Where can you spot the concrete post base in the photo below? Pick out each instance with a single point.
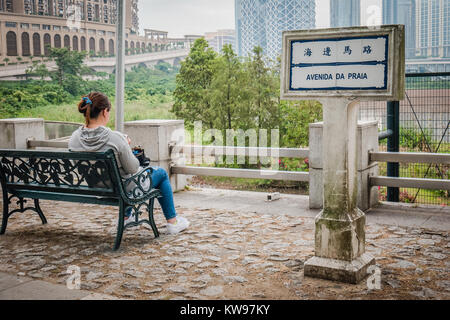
(339, 270)
(340, 237)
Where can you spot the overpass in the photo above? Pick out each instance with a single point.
(173, 57)
(108, 64)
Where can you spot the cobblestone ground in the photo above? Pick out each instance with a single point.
(223, 255)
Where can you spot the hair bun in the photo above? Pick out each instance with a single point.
(83, 105)
(90, 109)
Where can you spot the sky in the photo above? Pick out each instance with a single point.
(181, 17)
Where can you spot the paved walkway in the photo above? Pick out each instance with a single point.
(239, 246)
(14, 287)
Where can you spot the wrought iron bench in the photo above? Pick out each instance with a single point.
(83, 177)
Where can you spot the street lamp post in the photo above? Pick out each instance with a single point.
(120, 65)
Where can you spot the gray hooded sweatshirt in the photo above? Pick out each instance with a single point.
(101, 139)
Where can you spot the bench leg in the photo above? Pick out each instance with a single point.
(151, 218)
(39, 211)
(120, 226)
(5, 212)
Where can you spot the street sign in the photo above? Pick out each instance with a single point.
(362, 62)
(339, 67)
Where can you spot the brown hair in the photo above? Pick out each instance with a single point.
(91, 109)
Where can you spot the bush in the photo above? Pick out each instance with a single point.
(295, 120)
(414, 139)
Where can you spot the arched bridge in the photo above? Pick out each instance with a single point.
(173, 57)
(108, 64)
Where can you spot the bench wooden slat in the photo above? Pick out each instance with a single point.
(81, 190)
(107, 201)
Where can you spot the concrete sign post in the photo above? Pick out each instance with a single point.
(340, 67)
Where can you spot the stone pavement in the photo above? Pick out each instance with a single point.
(14, 287)
(238, 247)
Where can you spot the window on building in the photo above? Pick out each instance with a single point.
(47, 44)
(11, 44)
(36, 44)
(26, 44)
(75, 43)
(92, 45)
(57, 40)
(67, 42)
(111, 47)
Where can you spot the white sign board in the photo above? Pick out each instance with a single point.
(345, 62)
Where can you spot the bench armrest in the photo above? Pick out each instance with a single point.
(138, 187)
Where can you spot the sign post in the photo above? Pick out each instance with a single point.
(339, 67)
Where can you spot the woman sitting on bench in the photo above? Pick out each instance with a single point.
(95, 136)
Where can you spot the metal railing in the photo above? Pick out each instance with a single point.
(419, 123)
(240, 151)
(410, 157)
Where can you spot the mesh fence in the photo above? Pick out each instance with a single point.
(424, 127)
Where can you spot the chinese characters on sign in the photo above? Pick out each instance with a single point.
(339, 64)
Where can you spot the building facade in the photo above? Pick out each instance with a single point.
(403, 12)
(433, 28)
(29, 27)
(217, 40)
(261, 23)
(345, 13)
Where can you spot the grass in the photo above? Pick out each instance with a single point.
(261, 185)
(415, 170)
(157, 108)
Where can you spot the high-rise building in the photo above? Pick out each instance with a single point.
(217, 40)
(261, 22)
(345, 13)
(104, 11)
(30, 27)
(433, 28)
(402, 12)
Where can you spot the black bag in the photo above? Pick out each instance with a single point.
(140, 155)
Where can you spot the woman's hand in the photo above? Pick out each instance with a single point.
(128, 139)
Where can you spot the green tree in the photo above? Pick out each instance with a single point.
(226, 89)
(295, 118)
(70, 68)
(263, 87)
(193, 84)
(163, 66)
(38, 69)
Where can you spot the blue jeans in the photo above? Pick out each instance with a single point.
(160, 180)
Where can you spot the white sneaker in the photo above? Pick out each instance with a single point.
(131, 218)
(178, 226)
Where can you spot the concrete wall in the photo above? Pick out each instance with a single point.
(366, 140)
(15, 132)
(154, 136)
